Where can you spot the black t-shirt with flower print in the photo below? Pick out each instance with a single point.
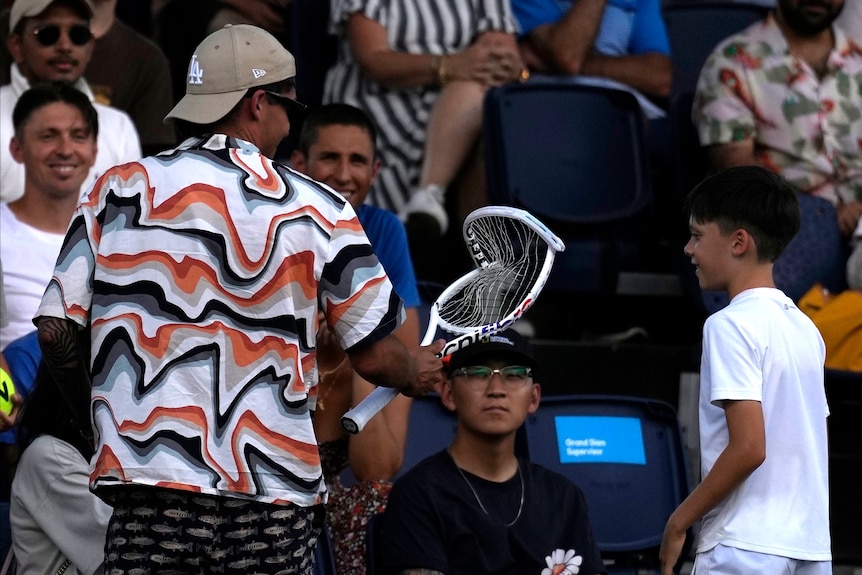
(434, 521)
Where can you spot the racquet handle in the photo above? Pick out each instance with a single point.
(357, 418)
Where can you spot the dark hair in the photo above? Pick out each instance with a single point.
(59, 410)
(334, 114)
(42, 94)
(751, 198)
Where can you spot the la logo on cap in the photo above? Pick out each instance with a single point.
(196, 74)
(257, 72)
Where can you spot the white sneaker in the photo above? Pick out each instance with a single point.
(424, 216)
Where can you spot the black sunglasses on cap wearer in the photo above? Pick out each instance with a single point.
(289, 104)
(49, 34)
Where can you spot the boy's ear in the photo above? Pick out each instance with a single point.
(742, 242)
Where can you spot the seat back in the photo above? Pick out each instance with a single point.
(324, 559)
(431, 428)
(844, 394)
(694, 29)
(625, 453)
(815, 255)
(373, 558)
(575, 157)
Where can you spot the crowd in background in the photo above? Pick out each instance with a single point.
(397, 132)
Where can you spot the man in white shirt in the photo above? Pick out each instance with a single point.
(55, 142)
(55, 128)
(50, 40)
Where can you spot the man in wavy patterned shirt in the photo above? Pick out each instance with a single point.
(198, 275)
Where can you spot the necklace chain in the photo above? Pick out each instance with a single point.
(479, 501)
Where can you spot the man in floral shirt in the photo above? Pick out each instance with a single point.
(785, 93)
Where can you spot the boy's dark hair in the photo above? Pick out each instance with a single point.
(751, 198)
(334, 114)
(42, 94)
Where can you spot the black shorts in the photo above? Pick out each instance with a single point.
(156, 530)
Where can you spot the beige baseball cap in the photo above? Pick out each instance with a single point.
(225, 65)
(30, 8)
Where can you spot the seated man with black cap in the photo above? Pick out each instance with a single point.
(476, 507)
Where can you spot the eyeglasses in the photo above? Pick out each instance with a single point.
(290, 105)
(513, 376)
(49, 35)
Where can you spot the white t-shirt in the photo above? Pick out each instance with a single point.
(28, 256)
(761, 347)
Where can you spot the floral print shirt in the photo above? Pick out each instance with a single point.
(805, 127)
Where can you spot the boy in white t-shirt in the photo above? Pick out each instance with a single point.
(763, 501)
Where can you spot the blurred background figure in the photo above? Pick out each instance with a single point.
(56, 128)
(337, 147)
(784, 94)
(395, 60)
(52, 41)
(623, 42)
(57, 523)
(129, 71)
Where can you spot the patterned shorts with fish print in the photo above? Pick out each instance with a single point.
(155, 530)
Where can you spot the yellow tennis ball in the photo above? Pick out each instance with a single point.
(7, 390)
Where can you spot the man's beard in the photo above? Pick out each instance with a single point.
(807, 23)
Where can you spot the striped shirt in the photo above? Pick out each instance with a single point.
(401, 115)
(201, 271)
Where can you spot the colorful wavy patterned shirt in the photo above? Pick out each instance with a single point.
(806, 128)
(200, 272)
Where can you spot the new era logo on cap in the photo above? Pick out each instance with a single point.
(257, 72)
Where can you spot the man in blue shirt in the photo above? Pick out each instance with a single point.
(337, 147)
(620, 40)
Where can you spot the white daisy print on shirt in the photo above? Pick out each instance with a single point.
(562, 563)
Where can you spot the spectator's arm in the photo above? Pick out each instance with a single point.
(650, 73)
(370, 47)
(489, 61)
(849, 214)
(377, 452)
(564, 45)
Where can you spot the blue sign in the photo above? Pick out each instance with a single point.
(600, 439)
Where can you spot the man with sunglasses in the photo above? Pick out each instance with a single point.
(50, 40)
(198, 275)
(477, 507)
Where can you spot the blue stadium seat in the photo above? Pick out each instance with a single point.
(627, 455)
(694, 29)
(431, 428)
(324, 560)
(574, 156)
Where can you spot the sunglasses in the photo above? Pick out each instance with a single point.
(49, 35)
(290, 105)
